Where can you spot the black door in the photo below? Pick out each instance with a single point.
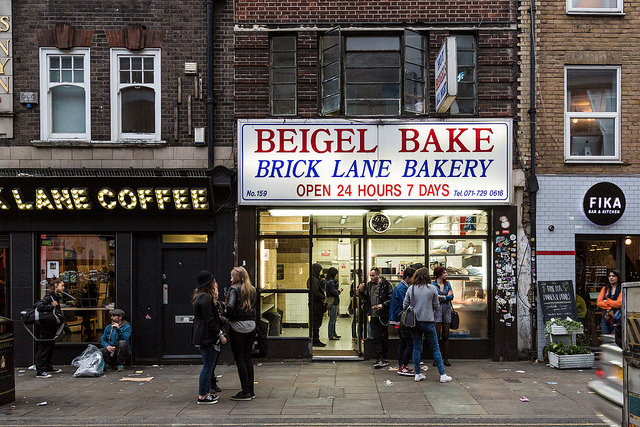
(179, 270)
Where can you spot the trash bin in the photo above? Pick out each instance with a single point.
(275, 323)
(7, 374)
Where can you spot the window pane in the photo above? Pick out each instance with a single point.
(284, 107)
(414, 40)
(67, 76)
(284, 91)
(403, 223)
(66, 62)
(86, 263)
(136, 77)
(284, 221)
(283, 58)
(330, 71)
(284, 263)
(465, 261)
(466, 59)
(379, 108)
(125, 64)
(348, 223)
(78, 76)
(283, 75)
(461, 223)
(594, 4)
(414, 104)
(54, 76)
(331, 55)
(124, 77)
(413, 55)
(466, 75)
(148, 77)
(354, 91)
(331, 103)
(372, 59)
(68, 109)
(465, 42)
(78, 62)
(414, 72)
(364, 75)
(592, 90)
(592, 137)
(466, 91)
(283, 43)
(392, 256)
(373, 43)
(138, 110)
(54, 61)
(136, 63)
(412, 87)
(148, 63)
(461, 106)
(332, 86)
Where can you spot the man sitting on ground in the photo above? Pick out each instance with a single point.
(115, 341)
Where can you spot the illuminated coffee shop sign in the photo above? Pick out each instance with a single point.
(50, 196)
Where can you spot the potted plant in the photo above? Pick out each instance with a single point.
(563, 356)
(562, 327)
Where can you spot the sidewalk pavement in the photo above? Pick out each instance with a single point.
(295, 389)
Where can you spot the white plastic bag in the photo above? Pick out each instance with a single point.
(90, 363)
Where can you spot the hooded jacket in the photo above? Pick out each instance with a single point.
(112, 335)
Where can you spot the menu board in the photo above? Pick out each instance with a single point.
(557, 300)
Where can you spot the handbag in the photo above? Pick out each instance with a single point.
(34, 315)
(455, 318)
(408, 317)
(259, 347)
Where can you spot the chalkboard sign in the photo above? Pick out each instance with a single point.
(557, 300)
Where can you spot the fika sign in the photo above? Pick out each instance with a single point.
(604, 203)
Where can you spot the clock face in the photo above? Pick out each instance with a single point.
(379, 223)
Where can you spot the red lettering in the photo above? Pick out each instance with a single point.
(362, 141)
(479, 140)
(262, 139)
(304, 133)
(432, 139)
(445, 190)
(456, 140)
(284, 139)
(314, 141)
(340, 139)
(406, 138)
(316, 190)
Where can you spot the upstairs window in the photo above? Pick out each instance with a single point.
(373, 75)
(64, 83)
(466, 99)
(594, 6)
(592, 114)
(282, 75)
(135, 94)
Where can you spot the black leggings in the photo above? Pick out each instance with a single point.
(241, 347)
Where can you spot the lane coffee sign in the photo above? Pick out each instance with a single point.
(298, 162)
(604, 203)
(90, 195)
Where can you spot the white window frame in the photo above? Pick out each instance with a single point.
(116, 123)
(618, 10)
(46, 123)
(568, 116)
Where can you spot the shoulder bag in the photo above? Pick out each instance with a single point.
(408, 316)
(259, 347)
(455, 318)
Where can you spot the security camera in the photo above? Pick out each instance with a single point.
(551, 228)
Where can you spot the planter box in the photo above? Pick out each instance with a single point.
(561, 330)
(571, 361)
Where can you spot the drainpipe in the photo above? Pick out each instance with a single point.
(210, 98)
(532, 182)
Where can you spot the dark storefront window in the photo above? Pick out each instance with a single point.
(4, 287)
(86, 263)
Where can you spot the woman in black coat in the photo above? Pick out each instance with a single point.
(207, 333)
(47, 331)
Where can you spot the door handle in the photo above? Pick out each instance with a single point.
(165, 290)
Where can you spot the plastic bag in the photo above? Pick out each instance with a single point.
(90, 363)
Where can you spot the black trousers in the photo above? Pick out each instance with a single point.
(316, 321)
(380, 337)
(405, 345)
(44, 349)
(120, 356)
(241, 347)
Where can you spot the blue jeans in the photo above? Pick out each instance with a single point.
(333, 315)
(209, 357)
(429, 331)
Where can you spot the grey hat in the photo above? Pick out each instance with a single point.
(204, 278)
(117, 312)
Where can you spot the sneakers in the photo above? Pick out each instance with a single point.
(214, 387)
(403, 370)
(43, 375)
(446, 363)
(419, 377)
(319, 344)
(120, 368)
(445, 378)
(253, 395)
(241, 396)
(208, 400)
(55, 371)
(380, 364)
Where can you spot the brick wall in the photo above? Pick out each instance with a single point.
(184, 26)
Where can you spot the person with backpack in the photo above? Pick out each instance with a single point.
(45, 344)
(241, 312)
(207, 333)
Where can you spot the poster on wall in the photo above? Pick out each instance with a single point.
(298, 162)
(53, 269)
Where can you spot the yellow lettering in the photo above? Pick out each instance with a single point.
(4, 20)
(162, 197)
(127, 193)
(179, 198)
(103, 202)
(62, 198)
(5, 85)
(42, 200)
(2, 64)
(144, 197)
(4, 48)
(81, 198)
(17, 196)
(199, 198)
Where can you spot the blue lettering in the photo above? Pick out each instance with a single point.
(263, 166)
(484, 168)
(409, 165)
(470, 169)
(438, 169)
(455, 167)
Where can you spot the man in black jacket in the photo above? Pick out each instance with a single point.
(377, 294)
(317, 303)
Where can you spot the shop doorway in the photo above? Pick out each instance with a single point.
(180, 267)
(345, 254)
(4, 288)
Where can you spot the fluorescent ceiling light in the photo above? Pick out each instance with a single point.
(432, 212)
(317, 212)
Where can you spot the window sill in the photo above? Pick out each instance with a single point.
(595, 12)
(594, 160)
(99, 144)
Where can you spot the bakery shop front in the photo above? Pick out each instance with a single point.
(131, 239)
(387, 195)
